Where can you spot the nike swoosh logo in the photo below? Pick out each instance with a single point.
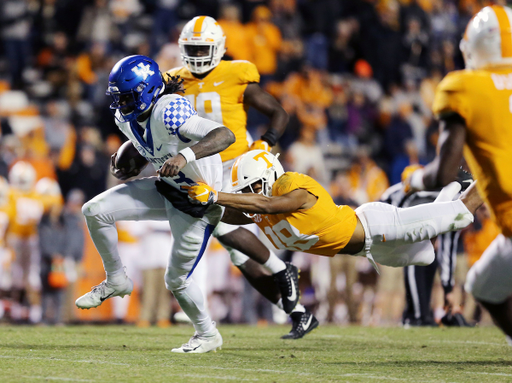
(108, 296)
(160, 147)
(199, 195)
(294, 293)
(192, 349)
(306, 326)
(217, 83)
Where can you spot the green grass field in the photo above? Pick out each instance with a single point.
(329, 354)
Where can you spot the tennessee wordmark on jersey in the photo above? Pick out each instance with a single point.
(219, 97)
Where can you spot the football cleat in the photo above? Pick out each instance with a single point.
(302, 324)
(455, 320)
(199, 344)
(102, 292)
(464, 178)
(288, 282)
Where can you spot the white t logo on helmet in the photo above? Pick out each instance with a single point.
(143, 70)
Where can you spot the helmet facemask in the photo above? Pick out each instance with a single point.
(200, 59)
(130, 104)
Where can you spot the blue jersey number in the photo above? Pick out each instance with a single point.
(182, 179)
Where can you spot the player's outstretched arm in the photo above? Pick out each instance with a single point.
(443, 169)
(259, 204)
(235, 217)
(263, 102)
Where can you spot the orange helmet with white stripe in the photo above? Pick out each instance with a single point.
(488, 38)
(253, 166)
(202, 44)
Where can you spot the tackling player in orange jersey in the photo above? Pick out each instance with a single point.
(474, 107)
(223, 91)
(295, 212)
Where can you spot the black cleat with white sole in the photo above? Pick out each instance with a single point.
(288, 283)
(302, 324)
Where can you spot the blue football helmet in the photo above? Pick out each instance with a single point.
(134, 84)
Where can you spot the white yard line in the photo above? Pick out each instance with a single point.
(56, 378)
(488, 373)
(63, 360)
(362, 337)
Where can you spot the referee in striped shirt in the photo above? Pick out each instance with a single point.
(419, 280)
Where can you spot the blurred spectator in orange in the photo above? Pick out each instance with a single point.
(368, 182)
(264, 41)
(308, 85)
(23, 239)
(237, 37)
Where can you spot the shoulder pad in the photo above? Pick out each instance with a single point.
(176, 111)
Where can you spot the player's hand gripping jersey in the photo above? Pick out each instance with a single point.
(484, 99)
(173, 126)
(324, 229)
(219, 97)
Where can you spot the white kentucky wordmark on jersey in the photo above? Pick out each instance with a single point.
(143, 70)
(176, 113)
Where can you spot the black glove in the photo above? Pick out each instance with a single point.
(180, 200)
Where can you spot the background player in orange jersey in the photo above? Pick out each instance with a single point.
(296, 213)
(223, 91)
(474, 107)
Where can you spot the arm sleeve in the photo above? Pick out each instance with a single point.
(196, 128)
(284, 184)
(250, 74)
(451, 97)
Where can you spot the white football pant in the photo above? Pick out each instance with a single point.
(237, 258)
(401, 237)
(139, 200)
(490, 278)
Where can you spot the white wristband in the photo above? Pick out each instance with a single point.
(417, 180)
(188, 154)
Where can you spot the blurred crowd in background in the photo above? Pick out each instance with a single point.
(357, 78)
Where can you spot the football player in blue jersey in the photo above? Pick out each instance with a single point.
(183, 148)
